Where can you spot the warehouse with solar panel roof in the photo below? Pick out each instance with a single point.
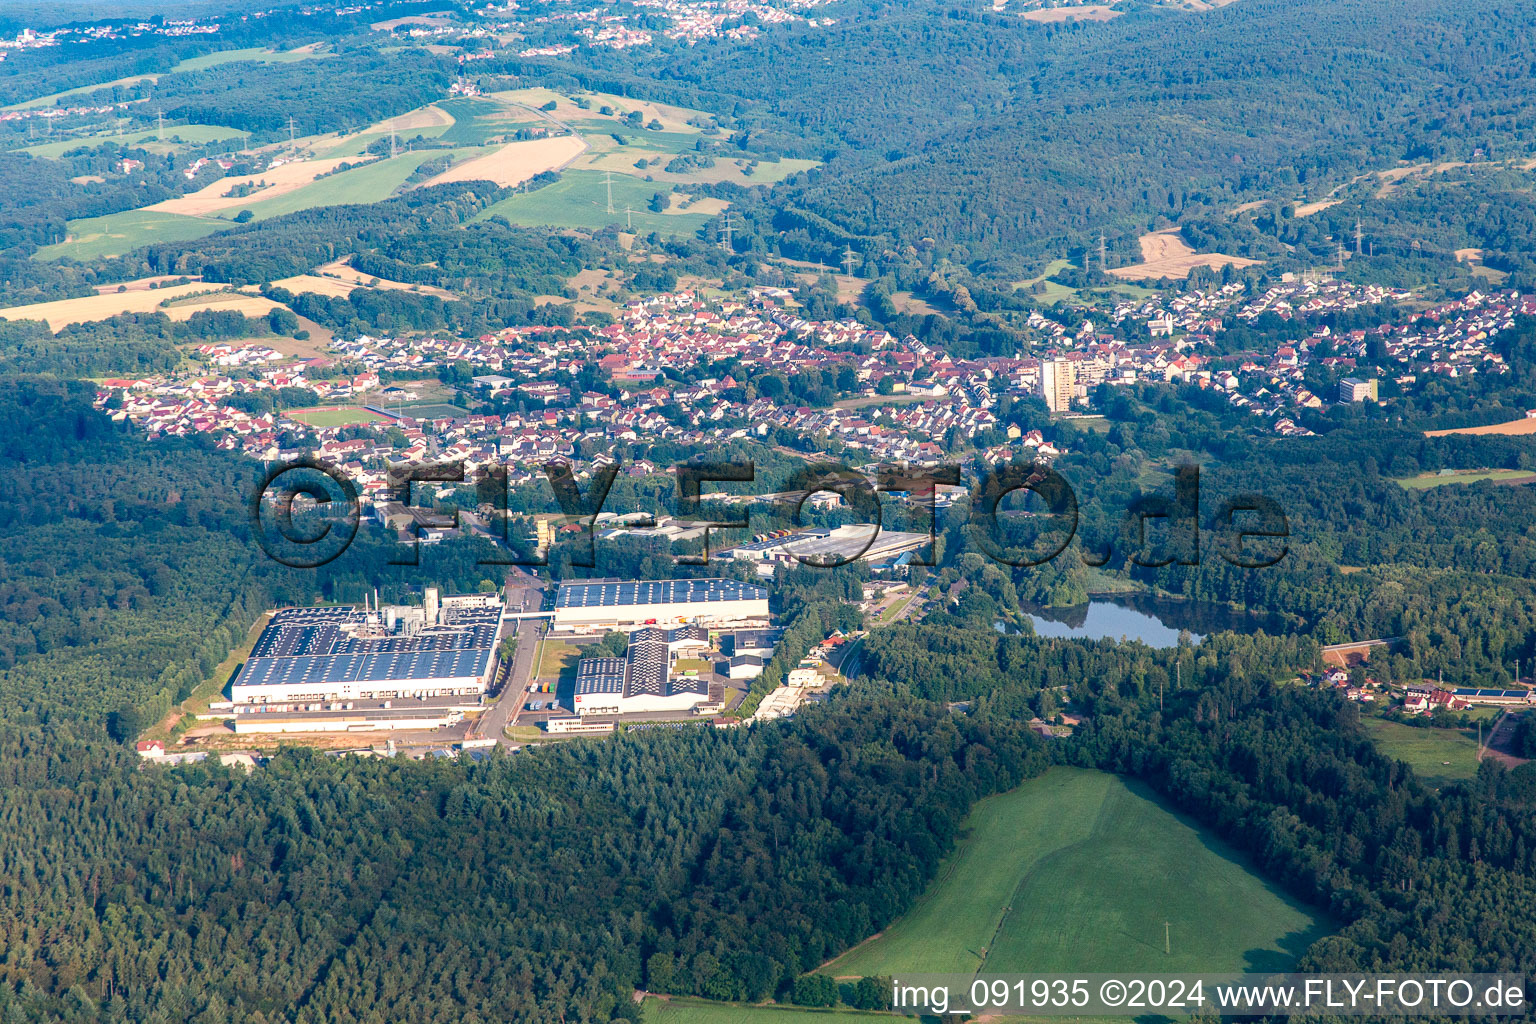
(627, 605)
(353, 667)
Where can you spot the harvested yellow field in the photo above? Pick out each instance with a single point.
(1308, 209)
(62, 312)
(318, 285)
(680, 202)
(340, 279)
(1085, 12)
(142, 284)
(516, 162)
(1165, 254)
(275, 181)
(1163, 245)
(1524, 425)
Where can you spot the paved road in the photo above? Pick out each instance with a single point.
(494, 722)
(523, 592)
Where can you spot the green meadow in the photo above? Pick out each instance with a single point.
(1081, 871)
(117, 233)
(580, 200)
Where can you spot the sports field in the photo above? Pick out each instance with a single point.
(1079, 871)
(1437, 756)
(334, 416)
(428, 410)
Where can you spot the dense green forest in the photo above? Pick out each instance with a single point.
(549, 885)
(1006, 142)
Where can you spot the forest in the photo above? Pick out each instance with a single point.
(547, 886)
(1017, 151)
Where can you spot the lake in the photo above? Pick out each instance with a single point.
(1156, 622)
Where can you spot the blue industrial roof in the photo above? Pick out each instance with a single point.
(617, 593)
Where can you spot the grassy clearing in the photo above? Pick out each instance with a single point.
(255, 54)
(342, 417)
(557, 660)
(1078, 871)
(580, 198)
(1437, 756)
(118, 233)
(150, 138)
(1466, 476)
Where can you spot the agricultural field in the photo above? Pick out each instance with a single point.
(213, 199)
(1512, 428)
(1052, 292)
(1079, 870)
(698, 1011)
(1083, 12)
(117, 233)
(184, 301)
(370, 183)
(343, 272)
(253, 54)
(515, 162)
(1165, 254)
(1437, 756)
(150, 139)
(334, 416)
(1467, 476)
(290, 188)
(257, 54)
(477, 120)
(580, 199)
(430, 121)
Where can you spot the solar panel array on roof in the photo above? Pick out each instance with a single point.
(647, 663)
(310, 646)
(617, 594)
(360, 668)
(599, 675)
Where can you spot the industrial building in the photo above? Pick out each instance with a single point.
(644, 680)
(596, 605)
(824, 546)
(350, 667)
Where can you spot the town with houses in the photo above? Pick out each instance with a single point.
(910, 403)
